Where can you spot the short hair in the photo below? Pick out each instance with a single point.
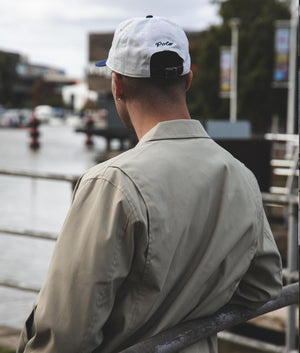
(166, 68)
(145, 87)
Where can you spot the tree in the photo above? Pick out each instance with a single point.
(8, 77)
(257, 100)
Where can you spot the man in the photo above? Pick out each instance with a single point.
(168, 231)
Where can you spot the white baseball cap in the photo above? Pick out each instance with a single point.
(137, 42)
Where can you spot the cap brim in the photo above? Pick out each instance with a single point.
(101, 63)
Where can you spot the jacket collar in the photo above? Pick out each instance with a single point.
(175, 129)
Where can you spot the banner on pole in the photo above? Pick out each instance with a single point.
(225, 72)
(282, 49)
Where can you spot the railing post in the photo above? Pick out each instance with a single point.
(290, 333)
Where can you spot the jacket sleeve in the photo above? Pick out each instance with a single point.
(92, 257)
(263, 280)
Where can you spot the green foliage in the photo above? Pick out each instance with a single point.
(8, 77)
(92, 105)
(17, 92)
(257, 100)
(44, 93)
(203, 99)
(6, 350)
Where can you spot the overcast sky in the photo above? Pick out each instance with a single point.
(55, 32)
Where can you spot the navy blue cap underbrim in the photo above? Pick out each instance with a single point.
(101, 63)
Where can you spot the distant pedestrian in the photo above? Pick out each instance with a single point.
(166, 232)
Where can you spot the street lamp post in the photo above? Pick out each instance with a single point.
(292, 69)
(234, 24)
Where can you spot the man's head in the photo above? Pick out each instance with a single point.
(150, 61)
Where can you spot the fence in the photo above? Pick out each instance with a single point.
(287, 196)
(50, 176)
(188, 333)
(72, 179)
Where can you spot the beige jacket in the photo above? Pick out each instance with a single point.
(170, 230)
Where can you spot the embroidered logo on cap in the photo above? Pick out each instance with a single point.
(163, 44)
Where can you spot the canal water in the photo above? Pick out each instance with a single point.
(34, 204)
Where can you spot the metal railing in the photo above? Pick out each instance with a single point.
(188, 333)
(287, 196)
(36, 175)
(31, 233)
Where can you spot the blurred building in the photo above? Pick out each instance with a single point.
(26, 84)
(77, 96)
(42, 84)
(27, 69)
(98, 78)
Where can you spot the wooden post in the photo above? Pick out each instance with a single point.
(89, 124)
(34, 133)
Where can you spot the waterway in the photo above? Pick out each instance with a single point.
(33, 204)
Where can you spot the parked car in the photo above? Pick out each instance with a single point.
(44, 113)
(10, 118)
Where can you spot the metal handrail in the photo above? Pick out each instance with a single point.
(11, 285)
(188, 333)
(40, 175)
(29, 233)
(37, 175)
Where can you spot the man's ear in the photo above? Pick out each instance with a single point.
(189, 80)
(117, 85)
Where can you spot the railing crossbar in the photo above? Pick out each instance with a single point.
(188, 333)
(248, 342)
(40, 175)
(29, 233)
(11, 285)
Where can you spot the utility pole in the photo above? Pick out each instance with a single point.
(234, 24)
(292, 68)
(292, 209)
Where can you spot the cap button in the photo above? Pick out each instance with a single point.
(149, 16)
